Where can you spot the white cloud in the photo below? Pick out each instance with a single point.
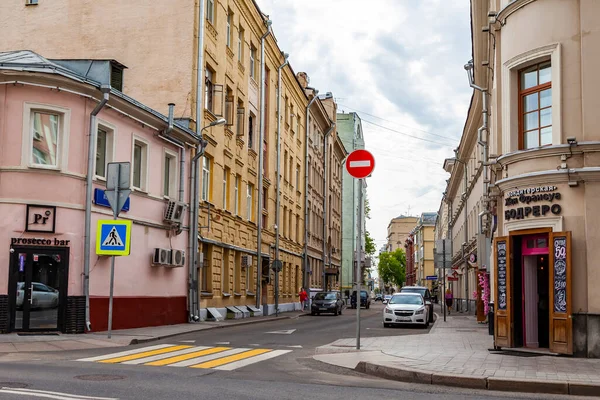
(401, 61)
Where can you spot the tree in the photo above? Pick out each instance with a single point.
(392, 267)
(367, 208)
(369, 244)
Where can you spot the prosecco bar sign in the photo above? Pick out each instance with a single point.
(533, 202)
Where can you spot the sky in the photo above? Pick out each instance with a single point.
(399, 65)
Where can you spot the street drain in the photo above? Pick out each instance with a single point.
(100, 377)
(14, 385)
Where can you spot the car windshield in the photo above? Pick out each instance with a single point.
(325, 296)
(399, 299)
(415, 290)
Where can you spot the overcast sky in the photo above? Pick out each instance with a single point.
(399, 64)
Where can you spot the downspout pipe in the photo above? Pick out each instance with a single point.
(325, 197)
(193, 298)
(105, 89)
(261, 163)
(306, 210)
(181, 153)
(278, 177)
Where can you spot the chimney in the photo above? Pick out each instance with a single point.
(303, 79)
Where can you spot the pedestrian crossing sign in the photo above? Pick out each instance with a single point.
(113, 238)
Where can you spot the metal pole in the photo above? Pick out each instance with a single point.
(112, 262)
(444, 306)
(358, 259)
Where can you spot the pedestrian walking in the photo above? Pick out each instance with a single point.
(449, 298)
(303, 298)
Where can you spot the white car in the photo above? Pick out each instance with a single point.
(406, 308)
(43, 296)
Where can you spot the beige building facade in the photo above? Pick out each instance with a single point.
(533, 120)
(156, 46)
(424, 242)
(398, 231)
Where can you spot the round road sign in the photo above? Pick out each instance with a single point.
(360, 164)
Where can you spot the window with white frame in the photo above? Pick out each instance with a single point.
(229, 21)
(140, 164)
(226, 173)
(240, 43)
(104, 150)
(249, 201)
(45, 133)
(205, 178)
(169, 174)
(252, 62)
(236, 189)
(208, 89)
(210, 11)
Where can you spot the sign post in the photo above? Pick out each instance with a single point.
(443, 256)
(359, 164)
(117, 192)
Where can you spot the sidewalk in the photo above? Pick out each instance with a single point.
(457, 353)
(13, 343)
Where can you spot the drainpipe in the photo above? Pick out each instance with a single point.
(193, 298)
(306, 211)
(466, 234)
(325, 196)
(181, 152)
(88, 202)
(278, 177)
(261, 162)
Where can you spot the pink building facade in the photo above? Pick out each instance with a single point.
(45, 112)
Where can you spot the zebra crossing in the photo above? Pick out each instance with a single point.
(205, 357)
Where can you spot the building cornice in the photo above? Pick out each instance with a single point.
(549, 151)
(587, 174)
(511, 8)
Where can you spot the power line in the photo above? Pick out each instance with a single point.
(398, 123)
(406, 134)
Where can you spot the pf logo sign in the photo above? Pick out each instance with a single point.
(40, 219)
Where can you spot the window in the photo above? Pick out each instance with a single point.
(292, 117)
(249, 202)
(226, 173)
(290, 224)
(45, 136)
(298, 228)
(240, 44)
(239, 131)
(206, 266)
(252, 62)
(237, 273)
(251, 120)
(535, 102)
(170, 175)
(210, 11)
(285, 165)
(205, 178)
(287, 110)
(236, 193)
(298, 177)
(225, 273)
(208, 90)
(290, 166)
(284, 222)
(265, 156)
(140, 164)
(104, 150)
(249, 277)
(229, 19)
(116, 77)
(298, 124)
(229, 101)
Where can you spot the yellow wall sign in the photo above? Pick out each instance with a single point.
(113, 238)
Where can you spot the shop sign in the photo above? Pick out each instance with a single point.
(40, 219)
(528, 196)
(39, 242)
(560, 274)
(501, 263)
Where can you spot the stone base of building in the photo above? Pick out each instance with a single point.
(586, 335)
(138, 312)
(267, 309)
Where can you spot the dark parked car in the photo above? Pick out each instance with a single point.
(327, 302)
(423, 291)
(365, 300)
(378, 297)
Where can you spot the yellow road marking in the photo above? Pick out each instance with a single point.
(183, 357)
(232, 358)
(144, 354)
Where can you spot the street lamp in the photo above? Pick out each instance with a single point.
(194, 211)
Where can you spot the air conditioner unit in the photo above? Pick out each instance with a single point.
(177, 258)
(246, 260)
(161, 256)
(174, 212)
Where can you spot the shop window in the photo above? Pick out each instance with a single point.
(535, 102)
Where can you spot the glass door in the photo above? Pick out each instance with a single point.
(38, 277)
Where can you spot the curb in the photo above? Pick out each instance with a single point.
(476, 382)
(258, 321)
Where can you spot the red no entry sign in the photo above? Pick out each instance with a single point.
(360, 164)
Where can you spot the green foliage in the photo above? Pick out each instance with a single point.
(392, 267)
(367, 208)
(369, 244)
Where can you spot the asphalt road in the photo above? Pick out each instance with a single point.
(292, 375)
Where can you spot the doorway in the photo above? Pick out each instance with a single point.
(531, 292)
(38, 279)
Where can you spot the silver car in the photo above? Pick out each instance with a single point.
(406, 308)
